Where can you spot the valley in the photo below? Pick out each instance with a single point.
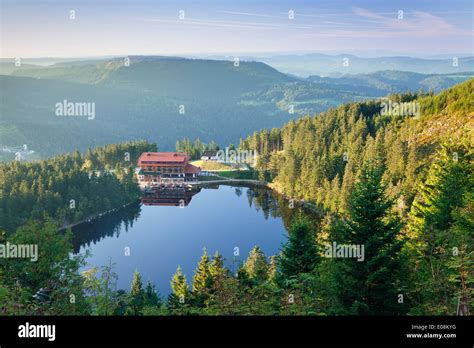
(162, 99)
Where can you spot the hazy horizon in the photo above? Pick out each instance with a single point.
(48, 29)
(212, 55)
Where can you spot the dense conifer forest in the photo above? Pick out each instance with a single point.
(400, 185)
(71, 187)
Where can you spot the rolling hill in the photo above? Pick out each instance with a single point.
(220, 101)
(323, 64)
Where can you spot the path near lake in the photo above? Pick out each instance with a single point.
(231, 181)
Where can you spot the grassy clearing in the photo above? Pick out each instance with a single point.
(240, 174)
(211, 165)
(208, 178)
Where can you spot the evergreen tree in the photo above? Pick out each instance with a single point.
(178, 300)
(179, 284)
(151, 297)
(202, 280)
(201, 274)
(461, 265)
(272, 268)
(216, 266)
(256, 266)
(136, 301)
(373, 285)
(300, 253)
(432, 240)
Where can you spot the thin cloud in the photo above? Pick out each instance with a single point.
(414, 23)
(251, 14)
(213, 23)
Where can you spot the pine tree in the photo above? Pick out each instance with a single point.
(461, 265)
(272, 268)
(371, 286)
(201, 274)
(151, 297)
(256, 266)
(216, 266)
(136, 295)
(178, 300)
(346, 187)
(202, 280)
(431, 221)
(179, 284)
(300, 253)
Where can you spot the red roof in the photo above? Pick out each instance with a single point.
(179, 157)
(190, 169)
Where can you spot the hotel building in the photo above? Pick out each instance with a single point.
(165, 168)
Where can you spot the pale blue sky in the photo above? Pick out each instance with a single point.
(42, 28)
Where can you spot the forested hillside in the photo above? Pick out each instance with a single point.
(162, 99)
(399, 185)
(71, 187)
(323, 64)
(317, 158)
(425, 163)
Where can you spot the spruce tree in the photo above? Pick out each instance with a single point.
(272, 268)
(256, 266)
(179, 284)
(202, 280)
(374, 285)
(461, 265)
(136, 296)
(201, 274)
(178, 300)
(433, 228)
(300, 253)
(216, 266)
(151, 297)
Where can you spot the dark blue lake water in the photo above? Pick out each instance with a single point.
(161, 237)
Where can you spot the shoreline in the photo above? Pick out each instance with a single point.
(90, 218)
(305, 204)
(227, 181)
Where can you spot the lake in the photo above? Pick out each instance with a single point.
(168, 229)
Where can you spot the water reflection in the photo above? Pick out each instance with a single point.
(179, 196)
(112, 224)
(109, 225)
(161, 235)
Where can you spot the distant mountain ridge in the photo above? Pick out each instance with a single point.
(391, 81)
(334, 65)
(163, 99)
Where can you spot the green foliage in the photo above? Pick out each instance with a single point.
(318, 159)
(202, 280)
(54, 274)
(438, 223)
(178, 300)
(300, 254)
(69, 188)
(101, 290)
(196, 149)
(461, 265)
(216, 267)
(371, 285)
(137, 295)
(152, 299)
(256, 266)
(352, 162)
